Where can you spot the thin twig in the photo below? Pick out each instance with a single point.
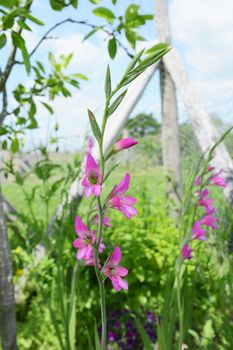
(82, 22)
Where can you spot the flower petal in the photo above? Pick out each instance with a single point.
(115, 258)
(80, 228)
(121, 271)
(122, 187)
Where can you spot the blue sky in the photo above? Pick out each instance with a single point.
(201, 32)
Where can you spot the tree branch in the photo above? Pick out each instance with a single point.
(85, 23)
(4, 112)
(11, 59)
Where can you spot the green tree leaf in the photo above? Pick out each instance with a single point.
(48, 107)
(14, 145)
(104, 12)
(2, 40)
(35, 20)
(112, 47)
(23, 25)
(20, 43)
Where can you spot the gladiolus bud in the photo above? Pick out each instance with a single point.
(124, 143)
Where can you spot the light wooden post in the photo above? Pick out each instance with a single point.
(170, 127)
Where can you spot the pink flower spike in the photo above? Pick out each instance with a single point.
(209, 220)
(125, 143)
(115, 272)
(198, 232)
(187, 252)
(216, 180)
(106, 222)
(205, 201)
(92, 180)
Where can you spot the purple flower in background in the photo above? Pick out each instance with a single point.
(106, 222)
(217, 180)
(187, 252)
(209, 220)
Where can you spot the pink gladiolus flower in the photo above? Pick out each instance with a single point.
(187, 252)
(205, 201)
(85, 241)
(106, 222)
(216, 180)
(92, 180)
(125, 143)
(209, 220)
(120, 202)
(198, 232)
(114, 272)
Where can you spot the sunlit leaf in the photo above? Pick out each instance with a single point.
(104, 12)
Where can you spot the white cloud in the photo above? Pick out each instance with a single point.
(202, 32)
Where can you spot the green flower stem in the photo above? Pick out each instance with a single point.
(99, 235)
(179, 304)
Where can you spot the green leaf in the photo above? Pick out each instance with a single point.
(3, 131)
(48, 107)
(95, 2)
(130, 36)
(75, 4)
(108, 88)
(8, 21)
(4, 145)
(68, 59)
(90, 345)
(156, 48)
(91, 33)
(72, 313)
(104, 13)
(35, 20)
(131, 12)
(97, 340)
(7, 3)
(144, 336)
(23, 25)
(94, 125)
(116, 103)
(57, 6)
(20, 43)
(2, 40)
(112, 47)
(79, 76)
(40, 65)
(134, 61)
(14, 145)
